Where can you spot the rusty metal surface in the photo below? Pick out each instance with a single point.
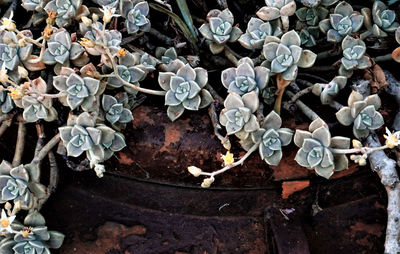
(190, 220)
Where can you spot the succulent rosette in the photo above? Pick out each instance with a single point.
(278, 9)
(11, 54)
(284, 55)
(61, 49)
(327, 92)
(33, 237)
(309, 36)
(66, 10)
(135, 14)
(271, 138)
(83, 135)
(317, 149)
(220, 29)
(168, 55)
(342, 22)
(115, 110)
(238, 117)
(362, 113)
(256, 32)
(383, 19)
(353, 56)
(14, 185)
(185, 88)
(77, 91)
(245, 77)
(37, 107)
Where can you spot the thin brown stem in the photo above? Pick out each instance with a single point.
(19, 148)
(46, 149)
(281, 86)
(214, 120)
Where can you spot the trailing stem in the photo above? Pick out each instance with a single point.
(46, 149)
(232, 165)
(20, 145)
(386, 170)
(304, 108)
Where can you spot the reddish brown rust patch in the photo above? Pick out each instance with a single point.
(288, 167)
(352, 168)
(109, 237)
(290, 187)
(124, 159)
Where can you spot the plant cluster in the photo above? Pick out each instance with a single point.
(97, 75)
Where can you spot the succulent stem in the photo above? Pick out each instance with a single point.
(19, 147)
(230, 55)
(281, 85)
(237, 163)
(304, 108)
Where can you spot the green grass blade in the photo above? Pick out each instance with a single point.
(185, 30)
(187, 17)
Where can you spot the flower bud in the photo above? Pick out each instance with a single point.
(195, 171)
(207, 182)
(22, 72)
(362, 162)
(356, 143)
(86, 21)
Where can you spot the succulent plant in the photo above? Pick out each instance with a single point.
(14, 185)
(11, 54)
(383, 19)
(268, 95)
(309, 36)
(98, 141)
(61, 49)
(168, 55)
(328, 92)
(33, 5)
(278, 9)
(37, 107)
(77, 91)
(353, 56)
(311, 16)
(285, 55)
(66, 10)
(135, 13)
(113, 38)
(363, 113)
(6, 103)
(245, 77)
(185, 88)
(110, 142)
(220, 29)
(317, 149)
(342, 22)
(271, 138)
(315, 3)
(34, 238)
(132, 74)
(256, 32)
(115, 111)
(238, 117)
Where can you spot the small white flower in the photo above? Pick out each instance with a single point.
(392, 139)
(108, 13)
(3, 73)
(5, 222)
(8, 23)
